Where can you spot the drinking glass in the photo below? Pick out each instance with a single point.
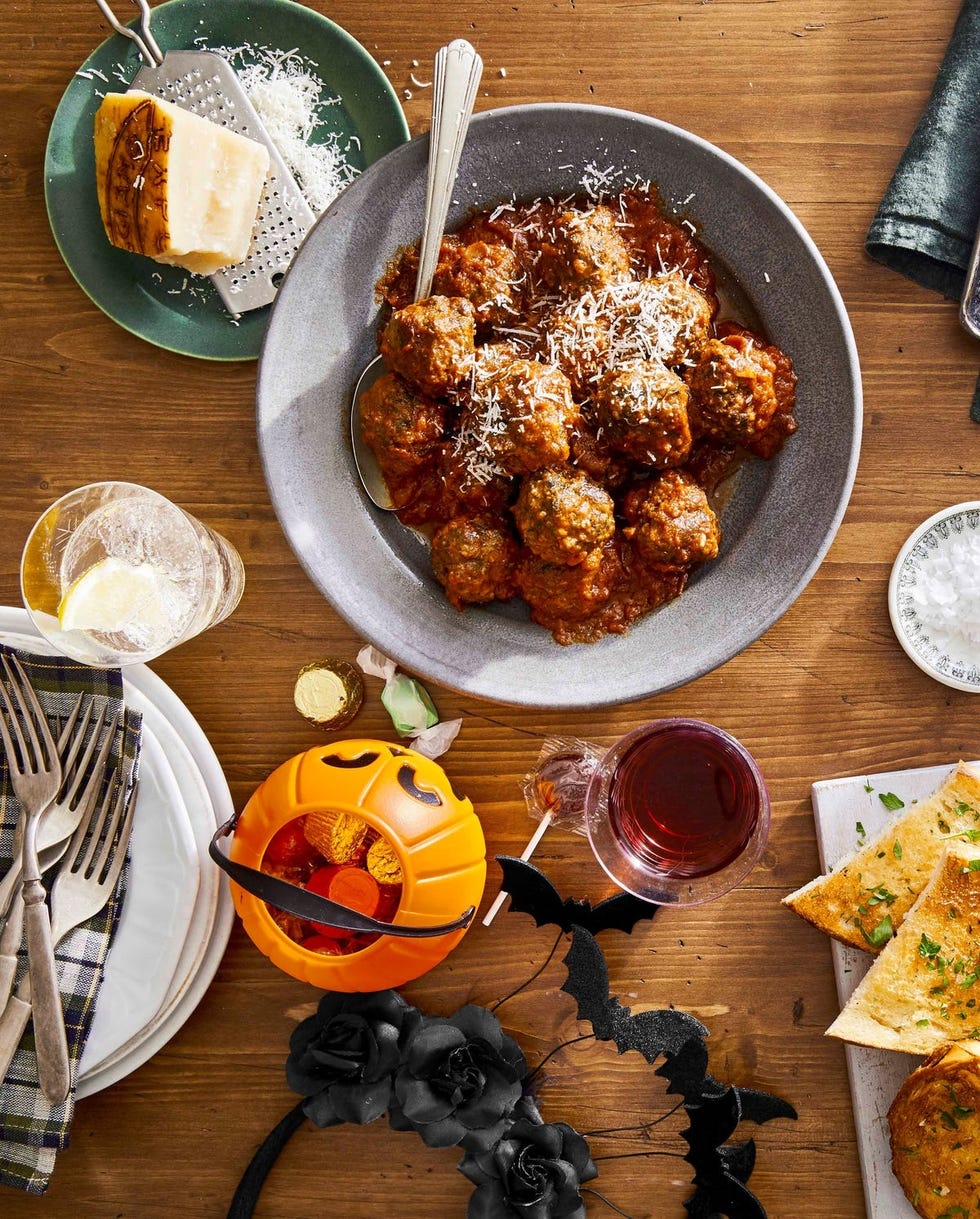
(115, 574)
(677, 812)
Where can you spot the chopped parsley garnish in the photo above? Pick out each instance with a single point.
(868, 787)
(891, 801)
(861, 831)
(882, 894)
(881, 934)
(928, 948)
(897, 849)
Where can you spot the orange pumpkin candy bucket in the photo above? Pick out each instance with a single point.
(402, 865)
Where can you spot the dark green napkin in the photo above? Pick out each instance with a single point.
(927, 221)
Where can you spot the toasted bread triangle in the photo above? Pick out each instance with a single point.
(886, 875)
(924, 987)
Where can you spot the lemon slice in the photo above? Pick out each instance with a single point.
(111, 596)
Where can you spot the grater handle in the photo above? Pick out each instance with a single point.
(457, 78)
(146, 44)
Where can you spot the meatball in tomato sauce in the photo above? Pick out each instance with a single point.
(486, 274)
(642, 408)
(563, 516)
(671, 521)
(474, 560)
(583, 251)
(431, 343)
(733, 394)
(519, 414)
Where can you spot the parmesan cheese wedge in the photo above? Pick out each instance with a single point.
(175, 187)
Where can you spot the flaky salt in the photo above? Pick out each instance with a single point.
(947, 590)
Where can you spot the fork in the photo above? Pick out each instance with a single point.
(35, 775)
(59, 822)
(88, 876)
(82, 786)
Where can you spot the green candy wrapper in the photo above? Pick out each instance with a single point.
(409, 705)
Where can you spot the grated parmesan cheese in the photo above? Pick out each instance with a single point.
(290, 99)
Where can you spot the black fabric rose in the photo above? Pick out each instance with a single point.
(344, 1058)
(534, 1172)
(459, 1081)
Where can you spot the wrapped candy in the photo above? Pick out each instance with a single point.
(554, 792)
(407, 701)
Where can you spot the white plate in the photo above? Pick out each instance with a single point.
(193, 780)
(946, 657)
(165, 875)
(198, 943)
(875, 1075)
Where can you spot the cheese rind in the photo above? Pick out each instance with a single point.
(173, 186)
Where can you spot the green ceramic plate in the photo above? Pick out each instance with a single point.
(163, 304)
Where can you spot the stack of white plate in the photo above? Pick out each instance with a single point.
(178, 913)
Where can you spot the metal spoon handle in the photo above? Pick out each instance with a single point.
(457, 77)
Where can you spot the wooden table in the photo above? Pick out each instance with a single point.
(819, 100)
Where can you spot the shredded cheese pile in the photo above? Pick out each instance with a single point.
(290, 99)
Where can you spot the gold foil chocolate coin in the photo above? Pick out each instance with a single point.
(328, 693)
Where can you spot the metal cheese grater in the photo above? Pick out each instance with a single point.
(206, 85)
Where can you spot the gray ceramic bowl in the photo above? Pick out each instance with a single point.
(376, 573)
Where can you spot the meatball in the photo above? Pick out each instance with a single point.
(733, 396)
(430, 343)
(474, 560)
(673, 318)
(583, 250)
(518, 416)
(400, 425)
(576, 338)
(487, 275)
(642, 407)
(671, 522)
(557, 593)
(592, 454)
(562, 515)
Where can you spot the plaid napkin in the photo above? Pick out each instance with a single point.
(31, 1130)
(927, 221)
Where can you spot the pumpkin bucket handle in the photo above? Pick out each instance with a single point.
(312, 906)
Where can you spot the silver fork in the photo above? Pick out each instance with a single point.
(88, 876)
(79, 736)
(35, 775)
(83, 784)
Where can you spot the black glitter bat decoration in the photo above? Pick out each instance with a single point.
(531, 892)
(721, 1172)
(714, 1109)
(653, 1033)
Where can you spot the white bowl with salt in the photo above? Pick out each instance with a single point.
(934, 596)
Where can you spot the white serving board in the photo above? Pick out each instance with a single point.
(875, 1075)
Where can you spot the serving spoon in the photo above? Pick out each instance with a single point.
(458, 69)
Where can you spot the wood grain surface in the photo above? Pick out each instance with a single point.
(818, 98)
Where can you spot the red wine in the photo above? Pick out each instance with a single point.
(684, 800)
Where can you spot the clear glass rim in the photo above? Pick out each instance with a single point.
(662, 888)
(38, 616)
